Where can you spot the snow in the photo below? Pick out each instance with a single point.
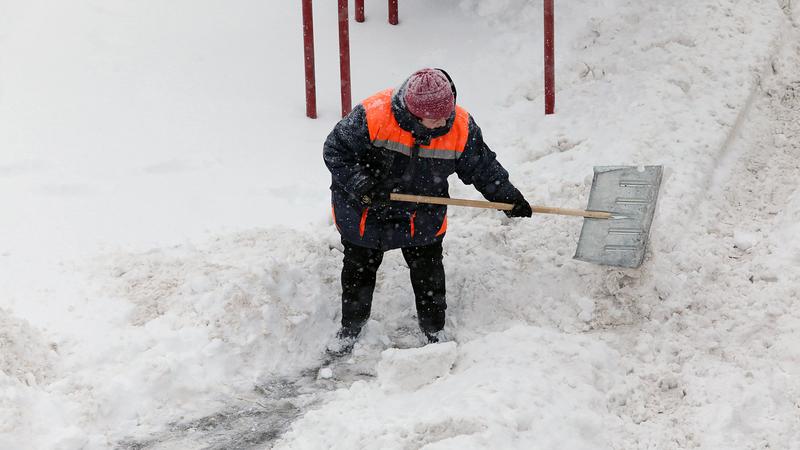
(509, 397)
(410, 369)
(169, 259)
(326, 373)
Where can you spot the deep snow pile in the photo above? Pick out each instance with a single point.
(26, 358)
(26, 364)
(697, 348)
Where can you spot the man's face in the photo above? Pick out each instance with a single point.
(433, 123)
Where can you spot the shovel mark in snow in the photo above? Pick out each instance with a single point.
(683, 41)
(565, 144)
(791, 96)
(260, 420)
(245, 426)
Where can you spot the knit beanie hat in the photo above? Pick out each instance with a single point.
(428, 95)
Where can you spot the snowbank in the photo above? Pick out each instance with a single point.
(204, 325)
(27, 367)
(24, 353)
(209, 323)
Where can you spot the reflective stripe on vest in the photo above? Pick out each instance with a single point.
(443, 228)
(333, 213)
(385, 132)
(362, 226)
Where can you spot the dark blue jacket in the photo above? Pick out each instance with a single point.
(357, 165)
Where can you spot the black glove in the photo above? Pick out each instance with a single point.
(521, 208)
(375, 197)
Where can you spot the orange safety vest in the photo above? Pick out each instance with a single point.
(385, 132)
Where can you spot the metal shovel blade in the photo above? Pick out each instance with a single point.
(630, 193)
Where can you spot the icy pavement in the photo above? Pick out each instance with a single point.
(245, 424)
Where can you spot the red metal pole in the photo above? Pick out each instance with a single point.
(549, 59)
(359, 10)
(308, 53)
(393, 18)
(344, 56)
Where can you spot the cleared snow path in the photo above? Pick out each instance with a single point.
(257, 419)
(253, 422)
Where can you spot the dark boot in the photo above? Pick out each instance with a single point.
(344, 343)
(433, 338)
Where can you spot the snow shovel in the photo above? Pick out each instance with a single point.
(622, 202)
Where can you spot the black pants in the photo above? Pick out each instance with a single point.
(427, 278)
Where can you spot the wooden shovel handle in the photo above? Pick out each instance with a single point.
(496, 205)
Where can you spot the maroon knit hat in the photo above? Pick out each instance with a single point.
(428, 95)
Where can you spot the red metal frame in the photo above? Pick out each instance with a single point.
(344, 51)
(393, 16)
(360, 11)
(308, 54)
(344, 56)
(549, 58)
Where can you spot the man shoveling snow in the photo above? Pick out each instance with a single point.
(405, 140)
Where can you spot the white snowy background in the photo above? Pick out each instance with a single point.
(169, 270)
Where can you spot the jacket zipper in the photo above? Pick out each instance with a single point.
(411, 169)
